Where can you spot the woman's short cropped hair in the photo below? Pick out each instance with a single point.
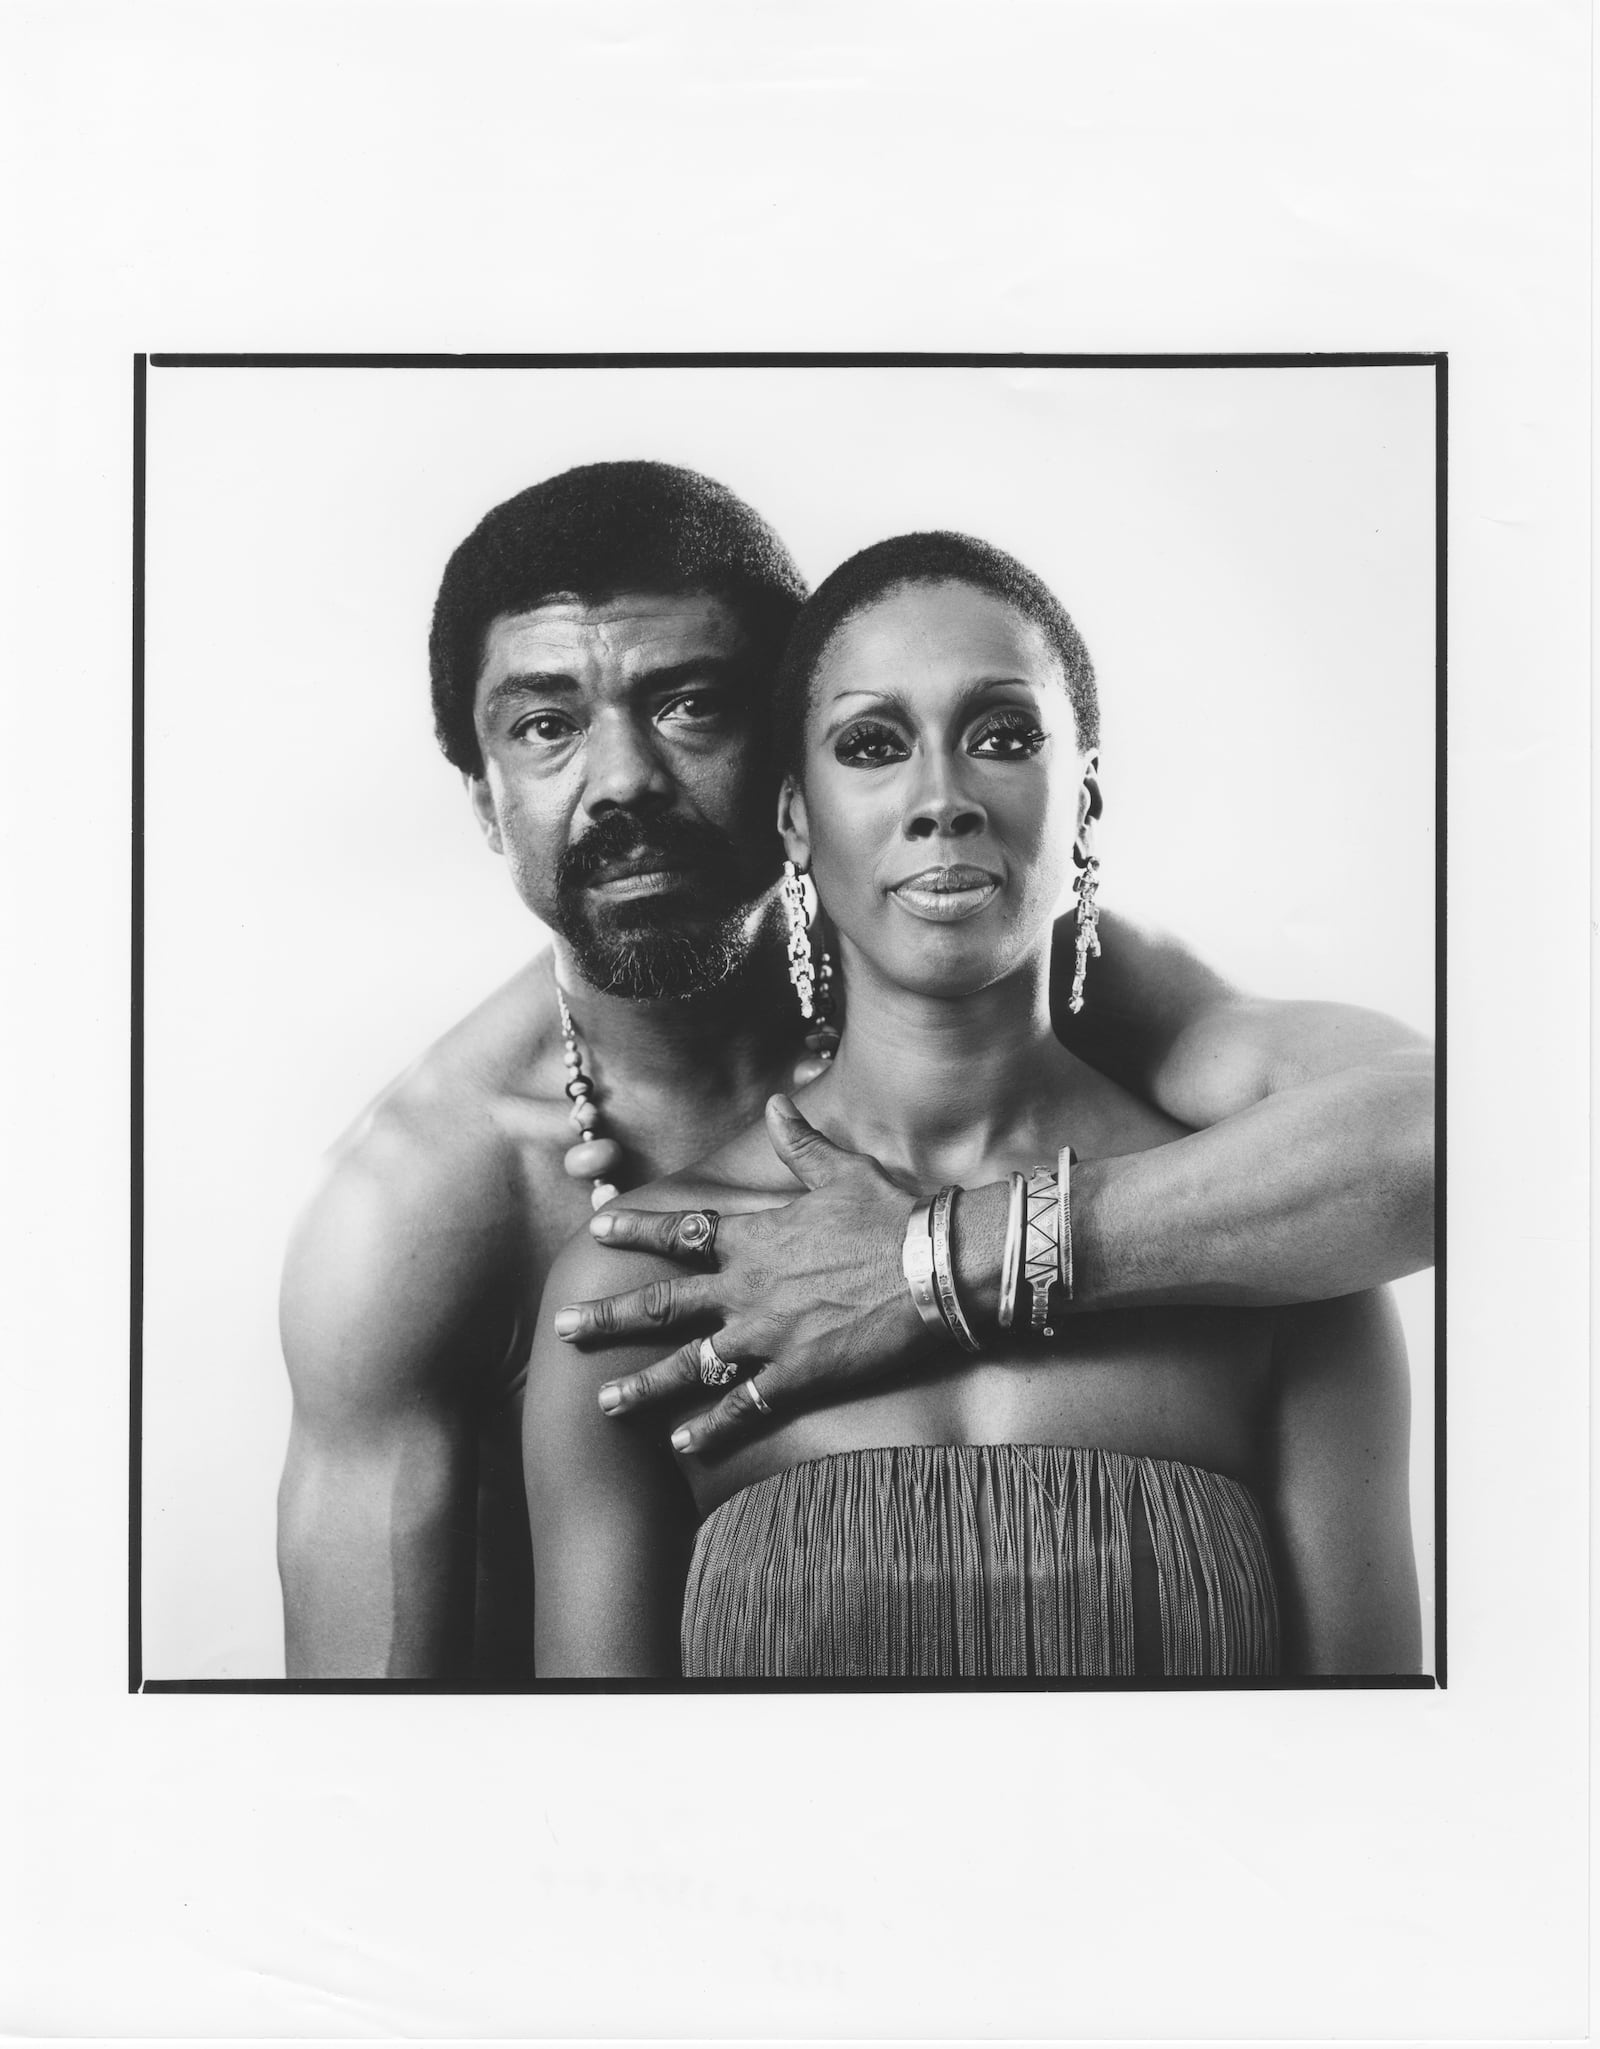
(593, 534)
(912, 559)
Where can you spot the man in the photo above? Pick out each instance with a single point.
(599, 657)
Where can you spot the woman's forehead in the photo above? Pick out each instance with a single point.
(934, 632)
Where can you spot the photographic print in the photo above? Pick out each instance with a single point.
(1025, 772)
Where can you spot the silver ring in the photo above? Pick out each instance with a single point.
(697, 1232)
(758, 1397)
(715, 1371)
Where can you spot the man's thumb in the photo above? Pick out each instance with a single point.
(801, 1147)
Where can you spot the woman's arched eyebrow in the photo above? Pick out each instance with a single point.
(850, 704)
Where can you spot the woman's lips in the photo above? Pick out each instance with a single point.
(944, 895)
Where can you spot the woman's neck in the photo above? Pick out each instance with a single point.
(940, 1087)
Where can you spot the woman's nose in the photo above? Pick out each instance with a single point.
(940, 808)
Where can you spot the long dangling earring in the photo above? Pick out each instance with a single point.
(794, 910)
(1086, 887)
(811, 973)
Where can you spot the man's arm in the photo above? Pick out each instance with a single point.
(385, 1337)
(1338, 1490)
(613, 1522)
(1310, 1173)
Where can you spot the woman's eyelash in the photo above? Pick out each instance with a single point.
(1014, 726)
(867, 739)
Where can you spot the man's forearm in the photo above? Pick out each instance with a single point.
(1318, 1191)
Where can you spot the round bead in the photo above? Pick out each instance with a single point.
(572, 1058)
(808, 1069)
(603, 1193)
(591, 1157)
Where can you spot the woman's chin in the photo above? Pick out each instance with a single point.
(949, 963)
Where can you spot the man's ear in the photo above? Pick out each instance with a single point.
(1090, 804)
(792, 826)
(482, 799)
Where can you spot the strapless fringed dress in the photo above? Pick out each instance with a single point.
(982, 1561)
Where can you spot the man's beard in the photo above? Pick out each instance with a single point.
(676, 945)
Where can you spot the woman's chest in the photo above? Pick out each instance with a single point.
(1187, 1385)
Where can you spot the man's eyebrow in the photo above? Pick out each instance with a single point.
(530, 683)
(706, 668)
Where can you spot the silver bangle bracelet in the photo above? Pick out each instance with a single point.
(1064, 1165)
(944, 1277)
(916, 1263)
(1011, 1258)
(1041, 1246)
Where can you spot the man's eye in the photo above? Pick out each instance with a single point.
(1015, 737)
(549, 727)
(867, 745)
(694, 707)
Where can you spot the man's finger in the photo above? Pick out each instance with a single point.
(800, 1146)
(668, 1376)
(651, 1230)
(733, 1418)
(658, 1305)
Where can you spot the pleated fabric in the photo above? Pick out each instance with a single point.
(983, 1561)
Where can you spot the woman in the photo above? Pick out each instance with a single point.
(1168, 1491)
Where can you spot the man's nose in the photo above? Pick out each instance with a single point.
(622, 769)
(939, 806)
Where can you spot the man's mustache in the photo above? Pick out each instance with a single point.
(675, 842)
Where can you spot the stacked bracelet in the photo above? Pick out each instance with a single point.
(1041, 1245)
(916, 1263)
(944, 1278)
(930, 1275)
(1011, 1258)
(1064, 1165)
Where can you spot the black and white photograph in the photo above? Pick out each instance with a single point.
(798, 889)
(870, 932)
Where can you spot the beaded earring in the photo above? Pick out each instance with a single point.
(811, 972)
(1085, 888)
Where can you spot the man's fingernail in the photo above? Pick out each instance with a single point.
(600, 1226)
(610, 1397)
(680, 1439)
(567, 1321)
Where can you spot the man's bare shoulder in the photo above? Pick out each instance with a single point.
(421, 1207)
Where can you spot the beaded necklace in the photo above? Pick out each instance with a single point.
(595, 1156)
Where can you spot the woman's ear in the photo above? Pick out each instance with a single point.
(482, 800)
(792, 826)
(1090, 805)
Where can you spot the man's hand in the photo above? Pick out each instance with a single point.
(810, 1292)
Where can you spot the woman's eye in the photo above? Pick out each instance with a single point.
(1013, 738)
(869, 746)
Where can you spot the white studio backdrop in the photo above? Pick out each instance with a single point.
(1250, 556)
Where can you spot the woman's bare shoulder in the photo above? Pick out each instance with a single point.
(743, 1174)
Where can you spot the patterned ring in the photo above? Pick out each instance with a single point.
(697, 1232)
(715, 1371)
(758, 1397)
